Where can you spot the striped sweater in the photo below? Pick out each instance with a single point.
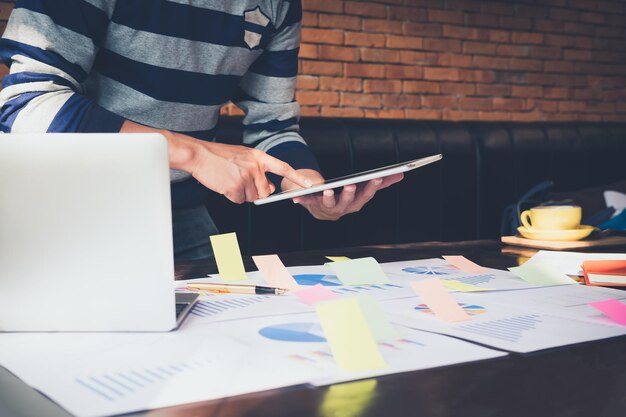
(86, 65)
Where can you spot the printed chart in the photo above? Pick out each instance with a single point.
(500, 325)
(299, 339)
(471, 309)
(571, 301)
(139, 371)
(442, 269)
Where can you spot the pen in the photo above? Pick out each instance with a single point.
(235, 288)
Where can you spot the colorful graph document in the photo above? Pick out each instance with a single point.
(507, 326)
(300, 339)
(324, 275)
(93, 375)
(234, 344)
(492, 279)
(571, 301)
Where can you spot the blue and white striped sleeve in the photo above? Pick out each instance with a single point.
(267, 95)
(50, 47)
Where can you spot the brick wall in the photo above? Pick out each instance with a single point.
(5, 10)
(520, 60)
(464, 59)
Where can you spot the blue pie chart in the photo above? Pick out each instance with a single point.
(314, 279)
(292, 332)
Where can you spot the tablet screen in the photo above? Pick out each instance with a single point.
(351, 179)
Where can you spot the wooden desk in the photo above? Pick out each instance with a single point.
(587, 379)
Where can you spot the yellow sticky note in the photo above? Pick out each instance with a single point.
(434, 295)
(350, 399)
(338, 258)
(349, 336)
(274, 272)
(454, 285)
(228, 257)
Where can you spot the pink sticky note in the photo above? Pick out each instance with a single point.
(614, 309)
(315, 294)
(274, 272)
(464, 264)
(436, 297)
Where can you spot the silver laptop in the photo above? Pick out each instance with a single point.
(86, 234)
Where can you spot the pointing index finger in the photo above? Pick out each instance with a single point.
(283, 169)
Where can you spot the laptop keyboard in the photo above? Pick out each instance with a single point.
(180, 307)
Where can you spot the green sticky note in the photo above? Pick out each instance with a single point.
(541, 275)
(350, 339)
(376, 320)
(454, 285)
(361, 271)
(228, 257)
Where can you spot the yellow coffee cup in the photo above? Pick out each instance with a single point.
(552, 218)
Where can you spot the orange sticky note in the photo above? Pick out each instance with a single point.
(274, 272)
(434, 295)
(464, 264)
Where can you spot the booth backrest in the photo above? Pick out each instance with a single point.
(485, 167)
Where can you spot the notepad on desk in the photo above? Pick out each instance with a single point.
(607, 273)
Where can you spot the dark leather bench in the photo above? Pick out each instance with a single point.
(486, 166)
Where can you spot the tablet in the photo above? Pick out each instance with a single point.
(351, 179)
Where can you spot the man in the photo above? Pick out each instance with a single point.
(168, 66)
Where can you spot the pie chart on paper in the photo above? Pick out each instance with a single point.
(293, 332)
(314, 279)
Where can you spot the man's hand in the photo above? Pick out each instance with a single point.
(237, 172)
(331, 206)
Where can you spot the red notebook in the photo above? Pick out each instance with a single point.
(605, 273)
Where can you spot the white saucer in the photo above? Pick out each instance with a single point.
(558, 235)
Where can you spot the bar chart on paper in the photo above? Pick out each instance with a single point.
(214, 306)
(502, 325)
(572, 301)
(134, 372)
(508, 329)
(379, 291)
(115, 385)
(471, 309)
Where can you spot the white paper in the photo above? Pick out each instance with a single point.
(571, 301)
(505, 326)
(496, 279)
(104, 374)
(299, 339)
(570, 263)
(234, 344)
(616, 200)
